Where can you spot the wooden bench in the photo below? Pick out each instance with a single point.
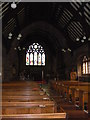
(45, 116)
(16, 93)
(72, 91)
(28, 107)
(26, 100)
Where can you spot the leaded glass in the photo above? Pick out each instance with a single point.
(43, 59)
(27, 58)
(31, 58)
(35, 55)
(89, 67)
(39, 59)
(35, 58)
(86, 65)
(83, 68)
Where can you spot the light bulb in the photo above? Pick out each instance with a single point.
(20, 35)
(82, 40)
(18, 38)
(23, 48)
(84, 37)
(13, 5)
(9, 37)
(89, 39)
(69, 49)
(15, 48)
(77, 39)
(10, 34)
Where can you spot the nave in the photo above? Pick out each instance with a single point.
(45, 60)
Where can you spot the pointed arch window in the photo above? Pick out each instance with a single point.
(35, 55)
(86, 65)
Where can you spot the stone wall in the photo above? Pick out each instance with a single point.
(9, 65)
(73, 61)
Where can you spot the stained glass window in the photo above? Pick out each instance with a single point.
(86, 66)
(35, 55)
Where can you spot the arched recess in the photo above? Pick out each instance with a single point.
(47, 29)
(54, 39)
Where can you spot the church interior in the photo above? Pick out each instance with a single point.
(45, 60)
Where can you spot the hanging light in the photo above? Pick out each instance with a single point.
(18, 47)
(82, 41)
(77, 39)
(69, 49)
(13, 5)
(23, 48)
(84, 37)
(89, 39)
(10, 34)
(15, 48)
(19, 35)
(63, 50)
(18, 38)
(9, 37)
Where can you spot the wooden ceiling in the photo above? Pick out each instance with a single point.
(72, 19)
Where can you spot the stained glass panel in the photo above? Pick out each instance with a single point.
(83, 68)
(86, 65)
(86, 68)
(39, 59)
(89, 67)
(31, 58)
(35, 58)
(43, 59)
(27, 58)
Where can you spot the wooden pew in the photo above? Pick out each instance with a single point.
(79, 95)
(45, 116)
(82, 95)
(28, 107)
(25, 93)
(24, 100)
(73, 91)
(15, 104)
